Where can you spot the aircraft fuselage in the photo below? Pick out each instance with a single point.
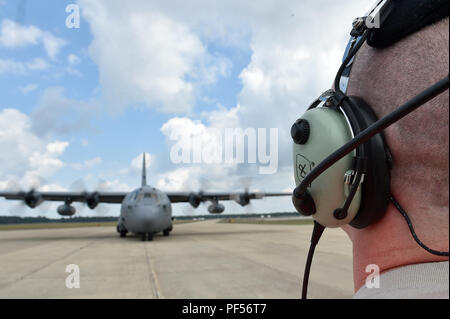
(146, 210)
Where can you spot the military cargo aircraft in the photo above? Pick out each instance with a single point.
(144, 211)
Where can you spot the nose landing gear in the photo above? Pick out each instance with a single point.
(147, 236)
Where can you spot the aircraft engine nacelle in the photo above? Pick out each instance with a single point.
(194, 200)
(92, 200)
(66, 210)
(33, 199)
(216, 208)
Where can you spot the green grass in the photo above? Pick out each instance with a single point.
(70, 225)
(266, 221)
(184, 221)
(55, 225)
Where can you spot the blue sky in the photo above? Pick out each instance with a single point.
(84, 103)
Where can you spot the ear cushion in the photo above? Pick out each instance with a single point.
(376, 185)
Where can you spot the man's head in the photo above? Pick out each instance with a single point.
(385, 79)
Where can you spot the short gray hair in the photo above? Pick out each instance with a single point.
(385, 79)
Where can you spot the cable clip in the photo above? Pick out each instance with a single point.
(349, 179)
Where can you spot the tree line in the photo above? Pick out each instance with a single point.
(45, 220)
(81, 219)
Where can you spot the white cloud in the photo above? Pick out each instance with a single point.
(15, 67)
(29, 88)
(73, 59)
(223, 117)
(10, 66)
(93, 162)
(87, 164)
(181, 179)
(37, 64)
(135, 168)
(14, 35)
(30, 161)
(52, 44)
(115, 185)
(57, 114)
(145, 56)
(57, 148)
(199, 135)
(136, 162)
(28, 156)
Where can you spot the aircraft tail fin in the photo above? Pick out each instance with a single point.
(144, 173)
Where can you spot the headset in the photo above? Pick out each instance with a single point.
(352, 185)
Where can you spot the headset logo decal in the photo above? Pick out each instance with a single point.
(304, 166)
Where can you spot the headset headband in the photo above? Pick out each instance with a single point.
(407, 17)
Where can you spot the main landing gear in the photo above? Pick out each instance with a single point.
(122, 231)
(167, 231)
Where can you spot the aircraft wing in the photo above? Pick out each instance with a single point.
(34, 196)
(241, 198)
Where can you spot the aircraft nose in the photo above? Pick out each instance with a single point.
(146, 216)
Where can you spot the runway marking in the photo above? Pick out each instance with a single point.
(154, 278)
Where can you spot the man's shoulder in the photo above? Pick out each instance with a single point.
(417, 281)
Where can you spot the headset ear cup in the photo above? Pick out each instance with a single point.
(376, 185)
(328, 130)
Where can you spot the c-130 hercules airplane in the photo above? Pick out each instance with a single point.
(144, 211)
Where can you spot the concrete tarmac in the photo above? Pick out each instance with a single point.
(198, 260)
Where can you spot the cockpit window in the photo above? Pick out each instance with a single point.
(153, 196)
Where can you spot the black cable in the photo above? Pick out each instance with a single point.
(411, 229)
(372, 130)
(317, 233)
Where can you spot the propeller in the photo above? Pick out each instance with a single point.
(92, 199)
(78, 186)
(195, 198)
(19, 208)
(32, 198)
(245, 199)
